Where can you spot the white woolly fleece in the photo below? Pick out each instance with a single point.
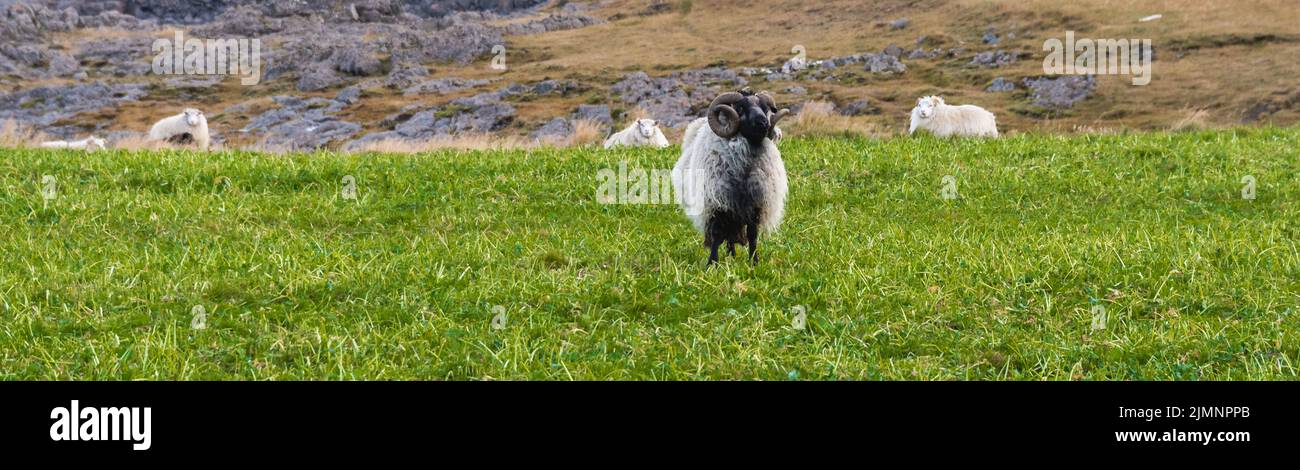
(177, 125)
(710, 167)
(90, 143)
(633, 136)
(963, 121)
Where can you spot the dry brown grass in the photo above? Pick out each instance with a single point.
(1223, 80)
(636, 114)
(138, 142)
(818, 118)
(16, 135)
(1193, 120)
(1086, 129)
(456, 142)
(142, 142)
(585, 133)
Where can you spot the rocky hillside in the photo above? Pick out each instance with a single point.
(346, 73)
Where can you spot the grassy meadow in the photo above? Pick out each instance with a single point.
(234, 265)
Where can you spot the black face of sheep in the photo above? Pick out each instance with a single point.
(745, 113)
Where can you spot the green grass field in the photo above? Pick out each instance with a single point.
(895, 282)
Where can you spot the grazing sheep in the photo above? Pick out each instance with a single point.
(943, 120)
(91, 144)
(642, 133)
(190, 126)
(731, 182)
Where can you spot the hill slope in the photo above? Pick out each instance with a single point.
(420, 71)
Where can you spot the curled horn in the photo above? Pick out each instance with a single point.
(722, 106)
(775, 116)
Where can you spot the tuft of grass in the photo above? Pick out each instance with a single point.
(819, 119)
(14, 134)
(299, 280)
(139, 142)
(585, 133)
(636, 114)
(1193, 120)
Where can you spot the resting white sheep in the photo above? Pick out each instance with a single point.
(942, 120)
(730, 180)
(91, 143)
(796, 63)
(793, 65)
(189, 125)
(642, 133)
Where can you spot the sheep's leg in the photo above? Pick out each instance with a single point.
(713, 251)
(753, 242)
(714, 235)
(731, 247)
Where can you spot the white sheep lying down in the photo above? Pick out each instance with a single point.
(189, 125)
(91, 143)
(642, 133)
(942, 120)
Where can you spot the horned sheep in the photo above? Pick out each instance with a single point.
(730, 180)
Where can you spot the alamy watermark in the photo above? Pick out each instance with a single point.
(49, 189)
(634, 185)
(180, 56)
(499, 318)
(349, 191)
(199, 318)
(102, 423)
(800, 320)
(1098, 317)
(948, 187)
(626, 185)
(1099, 57)
(499, 57)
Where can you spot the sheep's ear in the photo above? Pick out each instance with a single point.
(938, 99)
